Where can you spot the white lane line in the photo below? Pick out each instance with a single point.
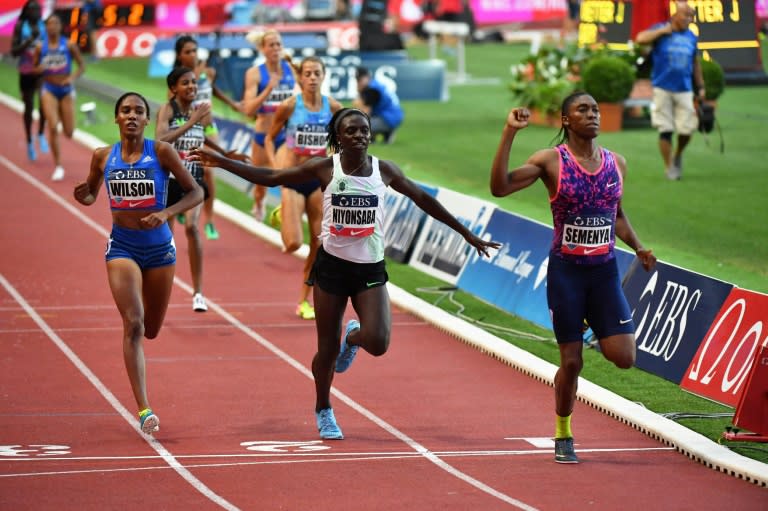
(413, 444)
(314, 458)
(382, 454)
(111, 399)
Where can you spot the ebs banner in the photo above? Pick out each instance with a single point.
(673, 309)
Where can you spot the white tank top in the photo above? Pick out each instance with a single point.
(353, 215)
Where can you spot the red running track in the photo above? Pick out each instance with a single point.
(433, 424)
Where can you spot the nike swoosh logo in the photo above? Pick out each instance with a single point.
(355, 233)
(611, 184)
(133, 204)
(588, 251)
(624, 321)
(371, 284)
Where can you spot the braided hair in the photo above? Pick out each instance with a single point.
(334, 145)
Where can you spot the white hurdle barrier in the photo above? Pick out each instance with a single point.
(456, 29)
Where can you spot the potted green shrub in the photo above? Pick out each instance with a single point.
(714, 79)
(542, 81)
(609, 80)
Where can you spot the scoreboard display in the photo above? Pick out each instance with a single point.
(112, 14)
(727, 29)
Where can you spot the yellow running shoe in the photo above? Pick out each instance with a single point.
(305, 311)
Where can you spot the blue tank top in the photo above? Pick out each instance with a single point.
(306, 132)
(58, 60)
(278, 94)
(140, 185)
(193, 138)
(584, 209)
(26, 62)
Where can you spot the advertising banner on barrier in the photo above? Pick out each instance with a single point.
(410, 80)
(234, 136)
(726, 356)
(442, 252)
(402, 223)
(672, 308)
(515, 276)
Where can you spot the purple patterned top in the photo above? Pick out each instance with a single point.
(584, 209)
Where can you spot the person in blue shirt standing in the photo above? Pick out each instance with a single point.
(380, 103)
(676, 78)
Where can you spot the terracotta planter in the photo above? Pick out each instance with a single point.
(611, 115)
(539, 118)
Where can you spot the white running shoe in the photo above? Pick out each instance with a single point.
(58, 173)
(198, 303)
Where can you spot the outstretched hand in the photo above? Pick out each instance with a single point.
(205, 157)
(234, 155)
(646, 257)
(482, 245)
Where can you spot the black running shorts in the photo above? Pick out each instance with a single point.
(345, 278)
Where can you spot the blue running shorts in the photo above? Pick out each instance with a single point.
(59, 91)
(149, 248)
(576, 292)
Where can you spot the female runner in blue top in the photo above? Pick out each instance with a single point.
(54, 56)
(304, 117)
(141, 254)
(266, 86)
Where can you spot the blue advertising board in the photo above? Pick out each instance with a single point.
(672, 309)
(217, 47)
(232, 57)
(442, 252)
(234, 136)
(514, 278)
(402, 223)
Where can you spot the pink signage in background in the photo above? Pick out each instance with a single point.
(487, 12)
(176, 14)
(494, 12)
(9, 13)
(761, 8)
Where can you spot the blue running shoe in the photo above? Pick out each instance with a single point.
(564, 452)
(31, 154)
(148, 421)
(43, 143)
(326, 425)
(347, 353)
